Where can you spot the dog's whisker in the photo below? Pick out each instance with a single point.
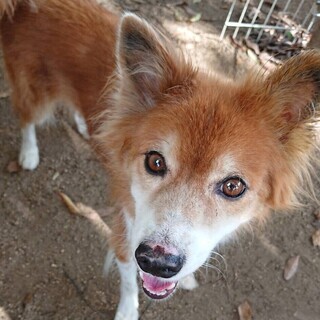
(219, 272)
(221, 257)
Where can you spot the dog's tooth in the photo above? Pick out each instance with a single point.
(172, 285)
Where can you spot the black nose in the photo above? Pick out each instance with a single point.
(158, 263)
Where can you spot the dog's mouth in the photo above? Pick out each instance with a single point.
(157, 288)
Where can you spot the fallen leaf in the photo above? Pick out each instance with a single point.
(317, 214)
(69, 203)
(291, 267)
(95, 219)
(316, 238)
(87, 212)
(13, 167)
(245, 311)
(55, 176)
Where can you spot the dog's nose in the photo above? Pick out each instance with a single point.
(156, 261)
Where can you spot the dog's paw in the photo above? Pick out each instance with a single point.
(29, 158)
(189, 282)
(127, 314)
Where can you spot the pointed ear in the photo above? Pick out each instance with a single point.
(293, 91)
(147, 65)
(286, 104)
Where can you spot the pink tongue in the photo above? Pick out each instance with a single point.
(153, 284)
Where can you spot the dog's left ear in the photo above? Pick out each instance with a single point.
(286, 103)
(293, 92)
(147, 65)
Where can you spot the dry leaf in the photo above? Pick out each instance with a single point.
(316, 238)
(69, 203)
(87, 212)
(55, 176)
(13, 167)
(245, 311)
(95, 219)
(291, 267)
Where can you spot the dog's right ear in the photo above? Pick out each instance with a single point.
(148, 67)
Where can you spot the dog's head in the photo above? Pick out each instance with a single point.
(193, 157)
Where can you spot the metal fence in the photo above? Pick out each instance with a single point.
(258, 17)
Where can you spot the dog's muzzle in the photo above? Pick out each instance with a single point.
(158, 263)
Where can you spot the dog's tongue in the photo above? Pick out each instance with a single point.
(156, 288)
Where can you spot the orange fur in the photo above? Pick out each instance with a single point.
(8, 7)
(65, 52)
(45, 68)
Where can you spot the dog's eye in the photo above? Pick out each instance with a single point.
(155, 163)
(233, 187)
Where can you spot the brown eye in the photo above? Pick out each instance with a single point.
(233, 187)
(155, 164)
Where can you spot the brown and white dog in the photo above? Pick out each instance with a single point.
(191, 156)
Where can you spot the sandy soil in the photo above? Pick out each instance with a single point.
(51, 262)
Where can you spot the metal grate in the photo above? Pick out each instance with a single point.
(259, 17)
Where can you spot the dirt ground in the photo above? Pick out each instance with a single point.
(51, 262)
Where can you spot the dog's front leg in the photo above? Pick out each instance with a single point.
(128, 305)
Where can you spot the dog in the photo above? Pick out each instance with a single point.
(192, 157)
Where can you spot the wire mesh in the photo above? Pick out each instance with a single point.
(258, 17)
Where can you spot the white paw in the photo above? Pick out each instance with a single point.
(29, 158)
(189, 282)
(126, 314)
